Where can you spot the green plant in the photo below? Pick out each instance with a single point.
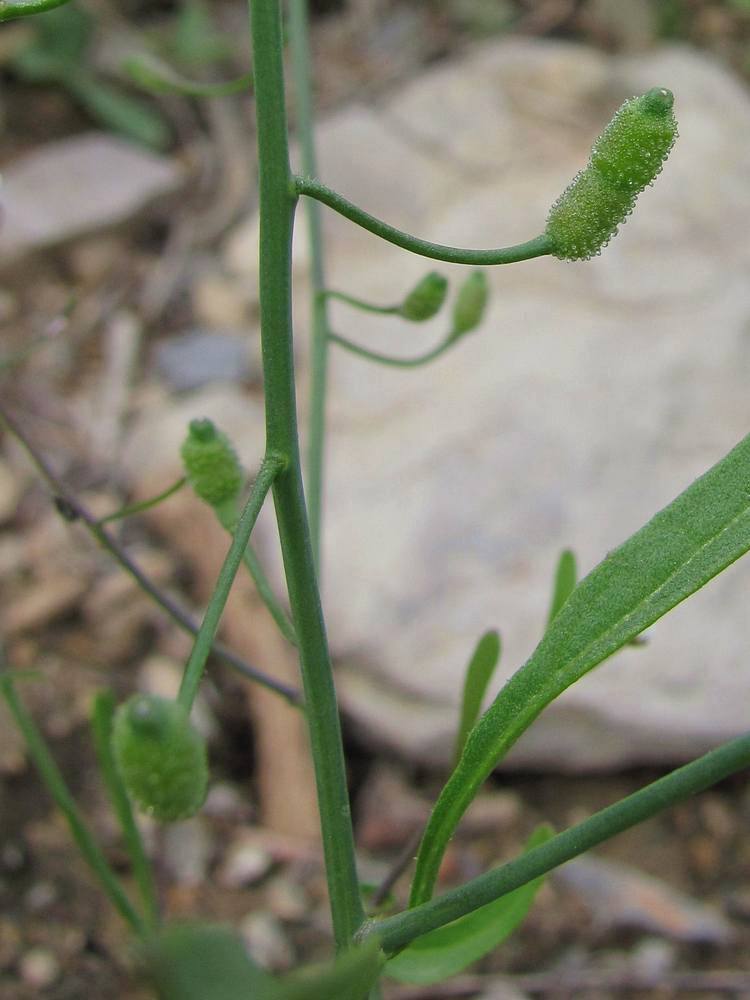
(59, 54)
(695, 537)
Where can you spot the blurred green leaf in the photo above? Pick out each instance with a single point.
(61, 38)
(204, 962)
(209, 962)
(479, 673)
(196, 42)
(442, 953)
(58, 54)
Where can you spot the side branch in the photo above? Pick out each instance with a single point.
(538, 247)
(398, 931)
(270, 468)
(73, 509)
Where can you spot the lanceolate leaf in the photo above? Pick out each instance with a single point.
(210, 962)
(434, 957)
(479, 673)
(566, 575)
(699, 534)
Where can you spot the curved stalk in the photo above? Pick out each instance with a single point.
(270, 468)
(398, 931)
(538, 247)
(72, 509)
(299, 42)
(58, 789)
(389, 359)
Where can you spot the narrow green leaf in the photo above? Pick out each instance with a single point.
(448, 950)
(566, 575)
(196, 42)
(10, 9)
(699, 534)
(204, 962)
(156, 76)
(349, 977)
(479, 673)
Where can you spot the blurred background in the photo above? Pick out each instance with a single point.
(590, 397)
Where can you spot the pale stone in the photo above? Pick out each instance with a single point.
(593, 394)
(619, 896)
(78, 185)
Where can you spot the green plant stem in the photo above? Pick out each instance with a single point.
(10, 9)
(254, 567)
(277, 612)
(538, 247)
(270, 468)
(389, 359)
(138, 508)
(70, 508)
(299, 42)
(398, 931)
(351, 300)
(277, 204)
(65, 802)
(103, 712)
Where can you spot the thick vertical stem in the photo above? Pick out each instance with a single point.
(277, 204)
(299, 38)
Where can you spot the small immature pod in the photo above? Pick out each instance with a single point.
(470, 304)
(160, 757)
(426, 299)
(211, 463)
(625, 159)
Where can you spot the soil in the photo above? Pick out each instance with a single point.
(74, 627)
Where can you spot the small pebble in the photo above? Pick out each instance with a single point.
(266, 941)
(198, 357)
(245, 864)
(39, 968)
(40, 896)
(188, 849)
(12, 856)
(225, 800)
(287, 900)
(653, 958)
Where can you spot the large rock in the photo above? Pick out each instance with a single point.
(593, 394)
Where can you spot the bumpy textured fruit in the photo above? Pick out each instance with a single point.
(211, 463)
(160, 757)
(470, 304)
(426, 299)
(625, 159)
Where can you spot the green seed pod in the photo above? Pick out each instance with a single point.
(160, 757)
(470, 304)
(625, 159)
(211, 463)
(426, 299)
